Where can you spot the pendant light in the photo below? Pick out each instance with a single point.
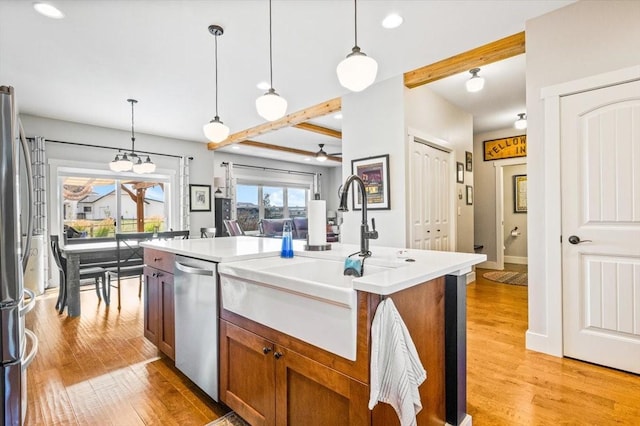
(358, 71)
(475, 83)
(125, 162)
(271, 106)
(521, 122)
(215, 130)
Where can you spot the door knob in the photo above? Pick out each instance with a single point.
(278, 355)
(574, 239)
(266, 350)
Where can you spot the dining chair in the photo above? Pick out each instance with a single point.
(233, 227)
(129, 262)
(95, 272)
(130, 258)
(207, 232)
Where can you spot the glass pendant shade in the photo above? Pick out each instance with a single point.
(271, 106)
(149, 166)
(124, 164)
(215, 131)
(321, 156)
(138, 166)
(114, 166)
(475, 83)
(357, 71)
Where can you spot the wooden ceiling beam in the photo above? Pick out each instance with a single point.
(496, 51)
(324, 108)
(320, 130)
(263, 145)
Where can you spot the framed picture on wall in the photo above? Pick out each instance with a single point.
(200, 198)
(469, 195)
(520, 193)
(468, 158)
(459, 172)
(374, 172)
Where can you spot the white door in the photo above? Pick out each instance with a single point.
(600, 152)
(429, 198)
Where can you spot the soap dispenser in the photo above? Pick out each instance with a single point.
(287, 241)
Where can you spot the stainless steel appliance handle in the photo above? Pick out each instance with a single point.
(27, 160)
(32, 302)
(34, 348)
(192, 270)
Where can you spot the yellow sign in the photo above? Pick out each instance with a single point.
(497, 149)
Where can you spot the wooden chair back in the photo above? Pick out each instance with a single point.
(207, 232)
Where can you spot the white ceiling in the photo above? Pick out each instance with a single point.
(83, 68)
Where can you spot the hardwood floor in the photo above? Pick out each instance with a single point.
(100, 370)
(509, 385)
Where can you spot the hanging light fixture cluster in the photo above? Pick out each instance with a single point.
(358, 71)
(216, 131)
(132, 161)
(271, 106)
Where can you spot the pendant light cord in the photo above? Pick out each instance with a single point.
(216, 54)
(270, 49)
(133, 138)
(355, 21)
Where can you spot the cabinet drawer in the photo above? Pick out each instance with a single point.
(159, 259)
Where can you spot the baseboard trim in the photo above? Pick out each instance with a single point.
(540, 343)
(489, 264)
(471, 277)
(520, 260)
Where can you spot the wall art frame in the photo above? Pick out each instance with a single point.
(199, 198)
(374, 172)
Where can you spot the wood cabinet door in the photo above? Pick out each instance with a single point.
(247, 376)
(311, 394)
(166, 319)
(151, 305)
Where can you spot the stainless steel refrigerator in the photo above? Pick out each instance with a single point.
(16, 227)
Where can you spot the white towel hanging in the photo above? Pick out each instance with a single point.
(396, 370)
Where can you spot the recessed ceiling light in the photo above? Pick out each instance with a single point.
(307, 159)
(263, 85)
(338, 116)
(391, 21)
(236, 147)
(48, 10)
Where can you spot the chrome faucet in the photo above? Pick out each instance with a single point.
(365, 234)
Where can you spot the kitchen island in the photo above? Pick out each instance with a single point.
(271, 374)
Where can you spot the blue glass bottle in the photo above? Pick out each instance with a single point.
(287, 241)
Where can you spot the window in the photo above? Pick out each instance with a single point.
(98, 206)
(256, 201)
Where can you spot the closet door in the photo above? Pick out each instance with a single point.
(430, 198)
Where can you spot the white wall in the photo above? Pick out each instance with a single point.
(431, 115)
(203, 166)
(66, 131)
(485, 194)
(327, 183)
(515, 247)
(577, 41)
(373, 124)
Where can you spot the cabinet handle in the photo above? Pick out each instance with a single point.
(278, 355)
(266, 350)
(155, 259)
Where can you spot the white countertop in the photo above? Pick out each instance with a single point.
(401, 274)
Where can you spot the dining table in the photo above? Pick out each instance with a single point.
(81, 253)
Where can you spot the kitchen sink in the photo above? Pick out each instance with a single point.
(308, 298)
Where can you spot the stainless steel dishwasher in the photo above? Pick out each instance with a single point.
(196, 317)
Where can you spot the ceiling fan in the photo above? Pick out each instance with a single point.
(322, 154)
